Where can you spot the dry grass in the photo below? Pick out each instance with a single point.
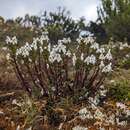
(8, 78)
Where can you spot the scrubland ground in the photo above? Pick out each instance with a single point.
(20, 112)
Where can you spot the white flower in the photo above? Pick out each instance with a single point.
(127, 56)
(8, 56)
(24, 50)
(54, 57)
(12, 40)
(102, 87)
(121, 47)
(82, 56)
(68, 53)
(127, 112)
(18, 127)
(55, 53)
(101, 65)
(8, 40)
(79, 128)
(112, 81)
(122, 123)
(90, 60)
(44, 37)
(87, 40)
(49, 47)
(61, 47)
(79, 40)
(84, 113)
(125, 45)
(41, 49)
(94, 101)
(103, 92)
(74, 59)
(107, 68)
(101, 56)
(30, 60)
(121, 105)
(42, 92)
(100, 50)
(66, 40)
(58, 58)
(95, 45)
(14, 102)
(109, 55)
(34, 44)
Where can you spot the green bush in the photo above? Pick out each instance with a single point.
(125, 64)
(120, 91)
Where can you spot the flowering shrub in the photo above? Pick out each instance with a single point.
(60, 70)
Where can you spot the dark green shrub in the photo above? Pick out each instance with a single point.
(120, 91)
(125, 64)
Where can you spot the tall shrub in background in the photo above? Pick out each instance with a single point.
(114, 15)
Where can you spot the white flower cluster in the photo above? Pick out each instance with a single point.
(121, 105)
(107, 68)
(8, 56)
(89, 112)
(120, 45)
(93, 58)
(35, 45)
(124, 108)
(44, 36)
(94, 101)
(24, 50)
(102, 57)
(123, 45)
(108, 55)
(54, 56)
(86, 40)
(85, 114)
(65, 40)
(90, 60)
(14, 102)
(95, 46)
(93, 111)
(79, 128)
(100, 50)
(12, 40)
(57, 52)
(102, 91)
